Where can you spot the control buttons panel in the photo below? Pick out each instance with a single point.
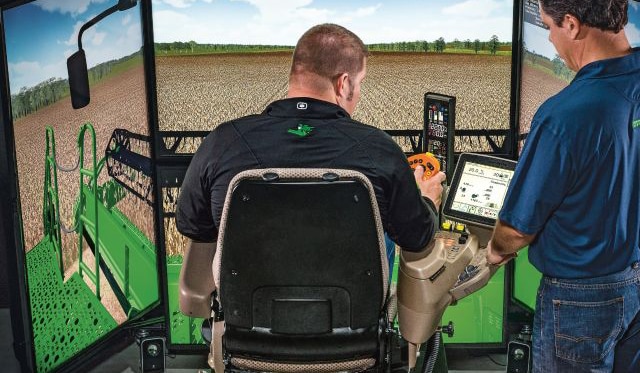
(454, 243)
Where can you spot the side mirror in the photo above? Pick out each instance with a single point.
(77, 63)
(78, 79)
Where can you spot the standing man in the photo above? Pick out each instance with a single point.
(575, 197)
(311, 128)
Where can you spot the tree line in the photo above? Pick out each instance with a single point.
(31, 99)
(555, 65)
(439, 45)
(493, 45)
(191, 47)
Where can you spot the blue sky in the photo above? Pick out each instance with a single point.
(42, 34)
(283, 21)
(537, 39)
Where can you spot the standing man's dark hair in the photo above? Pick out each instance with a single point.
(606, 15)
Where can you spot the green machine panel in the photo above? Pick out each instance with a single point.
(184, 329)
(479, 317)
(526, 279)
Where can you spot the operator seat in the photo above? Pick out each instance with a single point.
(301, 274)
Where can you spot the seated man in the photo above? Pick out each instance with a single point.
(311, 128)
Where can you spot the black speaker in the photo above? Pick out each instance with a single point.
(518, 357)
(152, 356)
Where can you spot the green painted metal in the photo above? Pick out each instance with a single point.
(127, 252)
(478, 318)
(66, 316)
(526, 279)
(183, 329)
(89, 220)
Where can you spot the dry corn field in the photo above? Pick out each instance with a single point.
(199, 92)
(119, 102)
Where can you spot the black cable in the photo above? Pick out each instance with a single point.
(433, 346)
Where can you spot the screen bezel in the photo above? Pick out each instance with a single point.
(481, 159)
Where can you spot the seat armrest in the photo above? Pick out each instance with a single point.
(196, 279)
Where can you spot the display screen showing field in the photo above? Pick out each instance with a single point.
(481, 190)
(216, 61)
(84, 176)
(543, 73)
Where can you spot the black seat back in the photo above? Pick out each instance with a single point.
(302, 274)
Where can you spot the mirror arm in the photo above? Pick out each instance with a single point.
(93, 21)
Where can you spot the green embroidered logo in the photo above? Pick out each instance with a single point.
(303, 130)
(636, 123)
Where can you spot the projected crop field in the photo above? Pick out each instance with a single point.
(199, 92)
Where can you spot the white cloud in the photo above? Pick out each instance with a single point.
(97, 38)
(169, 26)
(367, 11)
(634, 5)
(180, 3)
(73, 7)
(282, 22)
(30, 73)
(73, 38)
(126, 19)
(129, 42)
(91, 35)
(473, 8)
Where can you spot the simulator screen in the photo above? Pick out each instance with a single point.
(219, 60)
(87, 219)
(478, 189)
(543, 75)
(543, 72)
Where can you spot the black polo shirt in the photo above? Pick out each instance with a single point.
(303, 132)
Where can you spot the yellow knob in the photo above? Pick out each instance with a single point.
(459, 227)
(446, 225)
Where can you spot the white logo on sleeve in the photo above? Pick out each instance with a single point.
(302, 105)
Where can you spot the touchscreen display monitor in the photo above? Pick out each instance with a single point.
(478, 190)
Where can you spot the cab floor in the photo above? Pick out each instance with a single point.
(127, 360)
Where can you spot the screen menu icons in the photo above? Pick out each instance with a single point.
(481, 190)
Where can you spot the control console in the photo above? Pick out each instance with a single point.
(454, 265)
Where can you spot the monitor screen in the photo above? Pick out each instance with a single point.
(543, 72)
(478, 189)
(220, 60)
(87, 228)
(216, 61)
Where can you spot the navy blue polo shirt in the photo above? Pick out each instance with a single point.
(577, 184)
(304, 133)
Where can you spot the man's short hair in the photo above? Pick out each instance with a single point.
(606, 15)
(329, 50)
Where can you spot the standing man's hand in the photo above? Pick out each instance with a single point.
(494, 258)
(432, 187)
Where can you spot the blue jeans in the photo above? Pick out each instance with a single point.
(391, 253)
(588, 325)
